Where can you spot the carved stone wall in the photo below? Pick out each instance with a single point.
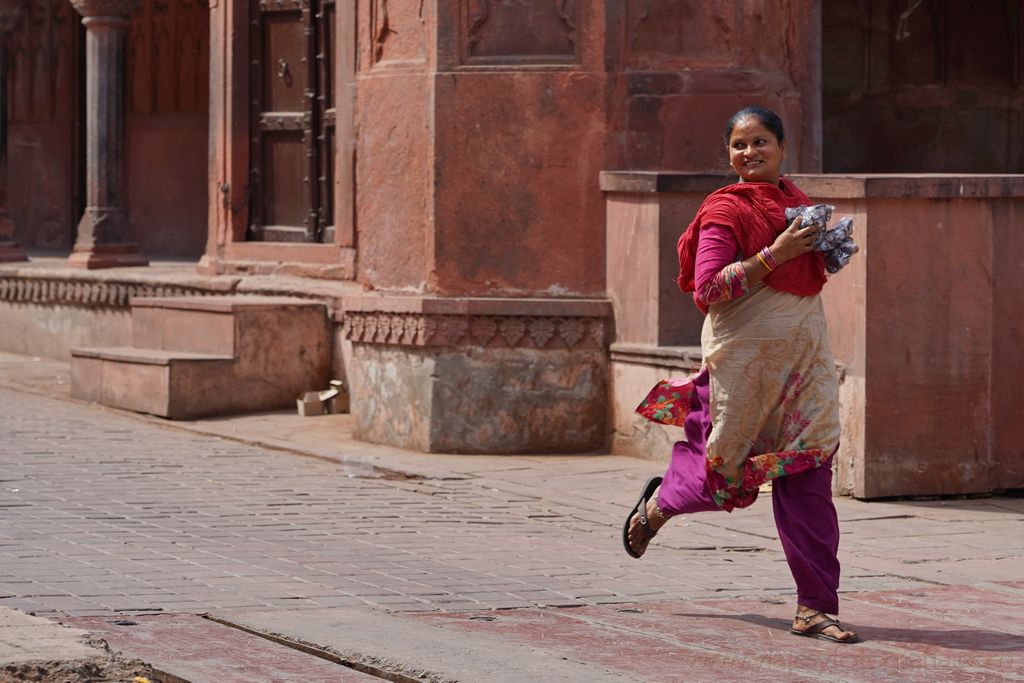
(528, 31)
(169, 57)
(665, 32)
(477, 375)
(59, 290)
(41, 148)
(686, 65)
(480, 400)
(489, 331)
(398, 32)
(40, 69)
(948, 76)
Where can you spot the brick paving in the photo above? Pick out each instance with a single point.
(103, 513)
(106, 512)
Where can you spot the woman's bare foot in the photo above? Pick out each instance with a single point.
(806, 618)
(639, 535)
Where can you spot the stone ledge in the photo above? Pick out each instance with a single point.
(223, 304)
(652, 182)
(839, 186)
(48, 281)
(682, 357)
(429, 305)
(911, 186)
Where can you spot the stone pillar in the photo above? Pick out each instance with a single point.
(11, 12)
(105, 235)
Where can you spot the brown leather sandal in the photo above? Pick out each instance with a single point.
(818, 630)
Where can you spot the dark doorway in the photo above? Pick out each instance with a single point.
(292, 121)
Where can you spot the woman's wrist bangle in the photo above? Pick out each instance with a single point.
(764, 262)
(769, 257)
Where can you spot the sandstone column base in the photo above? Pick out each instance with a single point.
(90, 252)
(107, 256)
(482, 376)
(9, 249)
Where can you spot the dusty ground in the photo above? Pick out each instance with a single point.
(107, 667)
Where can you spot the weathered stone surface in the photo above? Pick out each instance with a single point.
(888, 69)
(475, 400)
(686, 66)
(51, 330)
(394, 181)
(517, 208)
(1007, 333)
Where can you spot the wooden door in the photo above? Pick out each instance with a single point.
(292, 120)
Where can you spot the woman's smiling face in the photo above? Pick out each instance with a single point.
(754, 152)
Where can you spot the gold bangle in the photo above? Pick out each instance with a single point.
(763, 262)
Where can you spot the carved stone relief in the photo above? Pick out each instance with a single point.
(168, 58)
(418, 329)
(520, 32)
(40, 63)
(62, 291)
(398, 31)
(663, 32)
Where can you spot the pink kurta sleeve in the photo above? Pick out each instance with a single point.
(719, 275)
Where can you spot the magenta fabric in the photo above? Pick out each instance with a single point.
(718, 274)
(683, 489)
(716, 248)
(808, 527)
(805, 516)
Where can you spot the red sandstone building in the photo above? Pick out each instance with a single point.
(478, 201)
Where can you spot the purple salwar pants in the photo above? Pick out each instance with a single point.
(805, 516)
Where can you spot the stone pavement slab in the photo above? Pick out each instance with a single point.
(422, 651)
(741, 640)
(202, 651)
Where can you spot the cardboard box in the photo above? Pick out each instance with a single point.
(309, 404)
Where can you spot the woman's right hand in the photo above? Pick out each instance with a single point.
(793, 241)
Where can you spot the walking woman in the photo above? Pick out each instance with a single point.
(765, 403)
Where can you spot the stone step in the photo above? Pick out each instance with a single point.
(171, 384)
(211, 324)
(203, 356)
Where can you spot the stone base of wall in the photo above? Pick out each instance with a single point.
(478, 375)
(477, 400)
(635, 368)
(52, 330)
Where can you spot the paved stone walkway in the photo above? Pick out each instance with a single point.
(103, 513)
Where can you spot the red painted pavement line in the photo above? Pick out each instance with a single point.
(203, 651)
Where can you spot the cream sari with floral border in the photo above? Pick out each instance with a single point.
(774, 393)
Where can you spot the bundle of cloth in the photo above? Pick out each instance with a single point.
(837, 241)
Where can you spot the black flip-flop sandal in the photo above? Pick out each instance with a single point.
(641, 507)
(817, 631)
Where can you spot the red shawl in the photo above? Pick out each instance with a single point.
(756, 213)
